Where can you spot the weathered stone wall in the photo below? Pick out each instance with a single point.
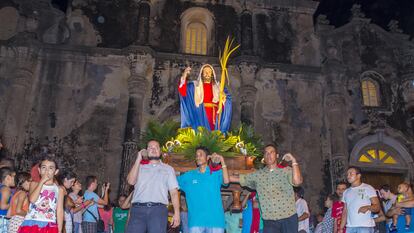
(289, 111)
(75, 101)
(354, 52)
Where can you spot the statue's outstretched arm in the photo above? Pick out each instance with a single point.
(182, 88)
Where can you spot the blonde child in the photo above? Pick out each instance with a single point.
(19, 203)
(402, 196)
(46, 201)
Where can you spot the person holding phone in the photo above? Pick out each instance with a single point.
(152, 182)
(91, 214)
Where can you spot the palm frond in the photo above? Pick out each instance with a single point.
(224, 57)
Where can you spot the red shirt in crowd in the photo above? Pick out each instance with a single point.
(337, 209)
(34, 172)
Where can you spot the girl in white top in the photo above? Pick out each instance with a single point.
(46, 202)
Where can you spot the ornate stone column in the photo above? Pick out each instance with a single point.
(247, 92)
(335, 140)
(137, 87)
(143, 22)
(246, 33)
(407, 75)
(338, 140)
(17, 110)
(129, 148)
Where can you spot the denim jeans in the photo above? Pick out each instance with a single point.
(76, 227)
(360, 230)
(206, 230)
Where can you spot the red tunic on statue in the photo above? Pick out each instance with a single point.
(209, 106)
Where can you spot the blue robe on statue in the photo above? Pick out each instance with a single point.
(193, 116)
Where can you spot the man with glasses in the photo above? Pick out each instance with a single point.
(274, 184)
(152, 183)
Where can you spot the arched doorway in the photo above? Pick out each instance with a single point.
(383, 160)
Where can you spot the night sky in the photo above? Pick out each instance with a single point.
(338, 11)
(380, 11)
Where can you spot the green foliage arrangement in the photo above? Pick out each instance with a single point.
(215, 141)
(252, 142)
(241, 141)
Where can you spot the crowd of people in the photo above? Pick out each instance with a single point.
(48, 200)
(276, 205)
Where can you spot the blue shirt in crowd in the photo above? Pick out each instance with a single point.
(203, 196)
(87, 217)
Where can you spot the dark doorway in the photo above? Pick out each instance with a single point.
(377, 179)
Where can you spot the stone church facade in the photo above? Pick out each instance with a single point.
(85, 80)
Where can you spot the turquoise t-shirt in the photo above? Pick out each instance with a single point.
(247, 216)
(203, 196)
(87, 217)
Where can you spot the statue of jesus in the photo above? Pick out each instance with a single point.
(199, 101)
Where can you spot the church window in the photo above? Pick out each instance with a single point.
(377, 156)
(197, 31)
(370, 93)
(196, 39)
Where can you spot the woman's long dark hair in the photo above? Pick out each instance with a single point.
(65, 175)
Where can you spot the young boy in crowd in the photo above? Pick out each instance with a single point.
(91, 214)
(120, 216)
